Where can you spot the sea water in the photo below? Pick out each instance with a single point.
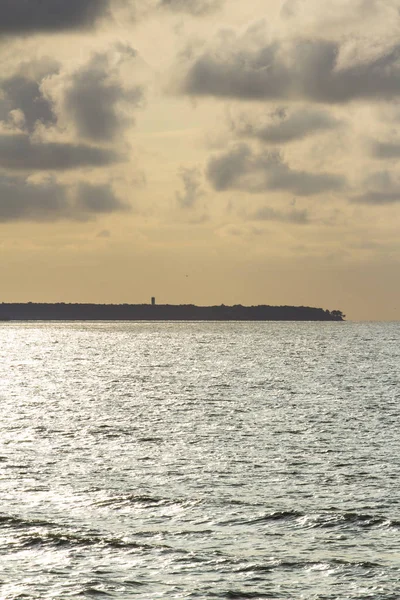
(200, 460)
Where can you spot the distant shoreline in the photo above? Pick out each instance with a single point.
(162, 312)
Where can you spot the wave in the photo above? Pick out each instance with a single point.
(345, 519)
(34, 533)
(332, 563)
(95, 591)
(144, 501)
(58, 539)
(289, 515)
(15, 521)
(62, 539)
(133, 499)
(246, 595)
(324, 519)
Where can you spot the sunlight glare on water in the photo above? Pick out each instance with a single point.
(200, 460)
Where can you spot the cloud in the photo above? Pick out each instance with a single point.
(341, 15)
(194, 7)
(30, 16)
(94, 93)
(192, 187)
(19, 93)
(252, 68)
(20, 153)
(23, 200)
(380, 188)
(95, 199)
(282, 127)
(386, 150)
(377, 197)
(294, 215)
(22, 99)
(94, 99)
(240, 168)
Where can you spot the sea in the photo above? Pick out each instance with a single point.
(200, 460)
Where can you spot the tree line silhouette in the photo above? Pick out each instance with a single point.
(162, 312)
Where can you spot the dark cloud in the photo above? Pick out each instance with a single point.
(305, 70)
(294, 215)
(24, 94)
(20, 153)
(283, 127)
(240, 168)
(304, 183)
(225, 170)
(380, 188)
(95, 199)
(22, 200)
(29, 16)
(194, 7)
(191, 179)
(92, 99)
(384, 150)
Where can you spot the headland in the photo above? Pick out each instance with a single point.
(162, 312)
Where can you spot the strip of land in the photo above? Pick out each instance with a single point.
(162, 312)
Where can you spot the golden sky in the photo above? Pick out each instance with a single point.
(201, 151)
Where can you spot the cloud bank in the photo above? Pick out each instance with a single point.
(30, 16)
(252, 68)
(18, 152)
(23, 200)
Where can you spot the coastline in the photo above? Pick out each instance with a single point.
(162, 312)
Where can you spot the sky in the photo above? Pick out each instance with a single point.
(201, 151)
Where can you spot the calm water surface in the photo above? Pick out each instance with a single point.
(200, 460)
